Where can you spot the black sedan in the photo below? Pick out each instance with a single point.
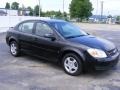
(60, 41)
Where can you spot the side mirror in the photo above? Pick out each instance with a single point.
(50, 36)
(88, 33)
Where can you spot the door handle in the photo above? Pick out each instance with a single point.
(35, 39)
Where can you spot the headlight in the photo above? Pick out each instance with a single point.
(97, 53)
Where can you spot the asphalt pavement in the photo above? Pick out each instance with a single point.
(30, 73)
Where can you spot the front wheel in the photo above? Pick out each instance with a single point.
(72, 64)
(14, 49)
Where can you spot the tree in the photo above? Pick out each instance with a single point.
(81, 9)
(50, 13)
(31, 11)
(15, 5)
(109, 16)
(118, 18)
(7, 5)
(36, 10)
(53, 14)
(58, 14)
(64, 14)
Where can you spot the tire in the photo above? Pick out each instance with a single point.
(72, 64)
(14, 49)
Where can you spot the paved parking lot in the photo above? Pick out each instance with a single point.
(30, 73)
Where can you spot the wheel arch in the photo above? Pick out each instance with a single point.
(78, 52)
(12, 39)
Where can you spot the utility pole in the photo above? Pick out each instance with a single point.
(63, 8)
(97, 8)
(39, 8)
(102, 10)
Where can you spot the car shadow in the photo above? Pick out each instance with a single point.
(51, 64)
(89, 73)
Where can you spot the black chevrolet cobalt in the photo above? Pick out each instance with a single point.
(60, 41)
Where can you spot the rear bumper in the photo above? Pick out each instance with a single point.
(103, 64)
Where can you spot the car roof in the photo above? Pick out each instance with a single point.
(47, 20)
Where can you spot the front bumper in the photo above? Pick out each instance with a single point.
(103, 64)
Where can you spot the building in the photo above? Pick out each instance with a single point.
(98, 18)
(11, 12)
(23, 12)
(103, 19)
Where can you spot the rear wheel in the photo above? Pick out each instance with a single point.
(72, 64)
(14, 49)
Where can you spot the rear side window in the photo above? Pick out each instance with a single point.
(26, 27)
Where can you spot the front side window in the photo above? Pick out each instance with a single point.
(42, 29)
(68, 30)
(26, 27)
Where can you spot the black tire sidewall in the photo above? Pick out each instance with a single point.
(80, 67)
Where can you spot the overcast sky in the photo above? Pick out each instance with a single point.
(110, 6)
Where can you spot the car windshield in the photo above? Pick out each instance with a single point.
(68, 30)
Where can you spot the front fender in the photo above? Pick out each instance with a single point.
(75, 50)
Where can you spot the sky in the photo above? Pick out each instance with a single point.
(111, 7)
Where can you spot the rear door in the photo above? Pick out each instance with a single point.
(26, 35)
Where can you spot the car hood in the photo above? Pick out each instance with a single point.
(93, 42)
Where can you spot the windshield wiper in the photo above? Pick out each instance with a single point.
(75, 36)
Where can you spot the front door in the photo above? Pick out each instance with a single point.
(47, 48)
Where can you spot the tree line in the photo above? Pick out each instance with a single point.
(80, 9)
(35, 11)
